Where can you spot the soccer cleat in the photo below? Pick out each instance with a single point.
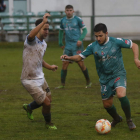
(131, 125)
(59, 87)
(51, 126)
(89, 85)
(114, 122)
(29, 111)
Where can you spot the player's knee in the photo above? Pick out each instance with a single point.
(107, 105)
(47, 102)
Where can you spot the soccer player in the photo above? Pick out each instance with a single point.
(72, 26)
(110, 69)
(32, 76)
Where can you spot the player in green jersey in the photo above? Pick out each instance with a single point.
(110, 69)
(72, 26)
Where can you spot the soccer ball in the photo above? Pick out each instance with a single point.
(103, 126)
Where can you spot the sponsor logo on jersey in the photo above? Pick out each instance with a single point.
(127, 42)
(103, 94)
(117, 79)
(113, 50)
(102, 53)
(96, 53)
(82, 22)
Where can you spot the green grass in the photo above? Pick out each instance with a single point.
(75, 109)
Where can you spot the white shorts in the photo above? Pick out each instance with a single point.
(37, 88)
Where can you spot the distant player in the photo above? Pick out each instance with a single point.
(72, 26)
(2, 6)
(110, 68)
(32, 76)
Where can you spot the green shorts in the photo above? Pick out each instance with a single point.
(72, 49)
(109, 89)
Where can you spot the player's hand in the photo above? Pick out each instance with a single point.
(62, 47)
(79, 43)
(137, 62)
(64, 57)
(54, 67)
(45, 17)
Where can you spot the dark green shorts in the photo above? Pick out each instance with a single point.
(109, 89)
(72, 49)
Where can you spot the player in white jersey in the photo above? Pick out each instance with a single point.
(32, 76)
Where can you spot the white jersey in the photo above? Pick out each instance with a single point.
(33, 53)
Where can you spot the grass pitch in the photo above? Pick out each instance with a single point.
(75, 109)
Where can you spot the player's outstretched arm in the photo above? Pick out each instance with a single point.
(135, 49)
(50, 67)
(35, 31)
(73, 58)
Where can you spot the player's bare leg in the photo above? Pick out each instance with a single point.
(46, 106)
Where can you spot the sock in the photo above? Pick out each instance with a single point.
(63, 76)
(47, 117)
(33, 105)
(126, 107)
(113, 113)
(85, 72)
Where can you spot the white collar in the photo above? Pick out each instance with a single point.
(71, 17)
(106, 41)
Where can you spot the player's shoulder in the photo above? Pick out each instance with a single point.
(117, 40)
(113, 39)
(77, 18)
(93, 44)
(63, 19)
(29, 42)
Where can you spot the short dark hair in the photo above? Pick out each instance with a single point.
(38, 21)
(100, 27)
(69, 7)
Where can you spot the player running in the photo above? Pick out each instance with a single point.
(110, 69)
(32, 76)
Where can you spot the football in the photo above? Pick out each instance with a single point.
(103, 126)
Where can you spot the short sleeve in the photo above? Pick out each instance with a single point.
(80, 22)
(88, 51)
(30, 42)
(124, 43)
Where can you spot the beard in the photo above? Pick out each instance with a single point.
(103, 41)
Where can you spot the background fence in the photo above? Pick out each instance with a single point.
(14, 28)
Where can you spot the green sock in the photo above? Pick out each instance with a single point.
(126, 107)
(63, 76)
(113, 113)
(85, 72)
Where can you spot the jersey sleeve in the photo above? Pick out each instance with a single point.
(88, 51)
(30, 42)
(80, 23)
(61, 25)
(124, 43)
